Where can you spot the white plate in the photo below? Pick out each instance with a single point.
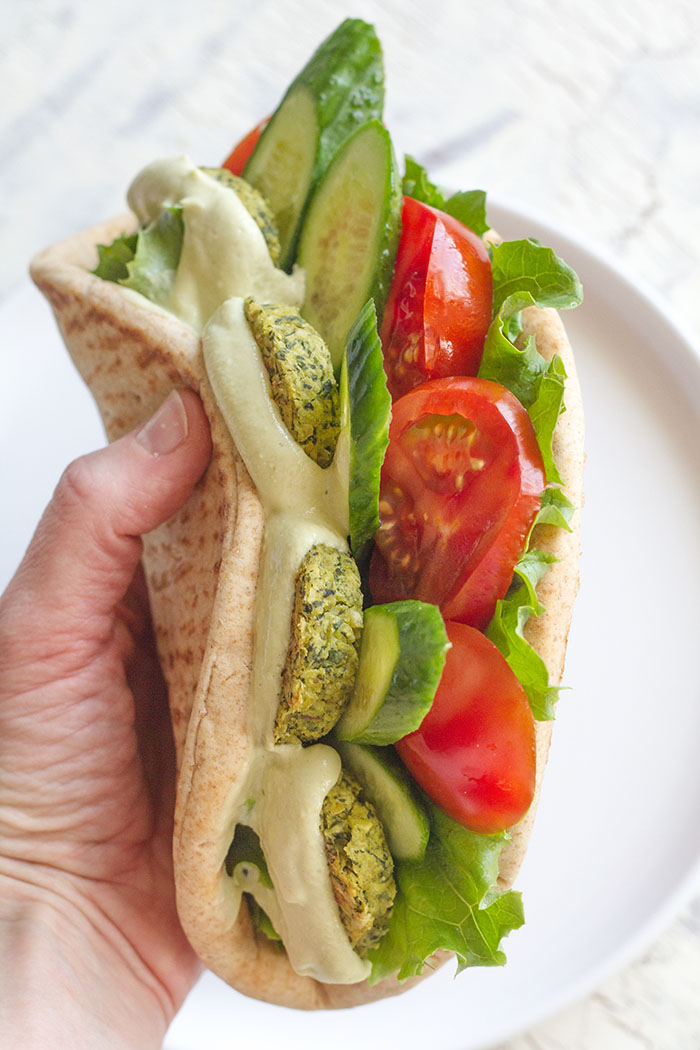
(616, 846)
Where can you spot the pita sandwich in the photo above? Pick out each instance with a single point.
(205, 251)
(202, 571)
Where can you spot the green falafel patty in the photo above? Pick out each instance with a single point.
(359, 862)
(319, 672)
(303, 385)
(254, 203)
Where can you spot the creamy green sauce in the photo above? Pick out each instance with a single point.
(223, 251)
(304, 505)
(280, 795)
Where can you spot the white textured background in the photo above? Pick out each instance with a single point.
(586, 112)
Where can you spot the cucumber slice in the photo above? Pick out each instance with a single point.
(402, 654)
(365, 407)
(340, 88)
(281, 168)
(350, 235)
(388, 787)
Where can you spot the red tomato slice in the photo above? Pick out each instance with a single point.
(240, 155)
(440, 301)
(474, 752)
(460, 488)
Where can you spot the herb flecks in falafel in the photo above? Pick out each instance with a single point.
(319, 672)
(301, 377)
(254, 203)
(359, 861)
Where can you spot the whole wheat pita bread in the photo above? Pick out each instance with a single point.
(201, 568)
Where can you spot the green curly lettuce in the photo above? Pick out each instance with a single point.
(506, 632)
(146, 261)
(468, 207)
(115, 257)
(525, 273)
(447, 901)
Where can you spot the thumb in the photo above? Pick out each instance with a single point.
(87, 546)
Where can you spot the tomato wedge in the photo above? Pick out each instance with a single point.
(474, 752)
(460, 488)
(440, 302)
(241, 153)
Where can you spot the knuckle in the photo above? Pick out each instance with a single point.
(77, 485)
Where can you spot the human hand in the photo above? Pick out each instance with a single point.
(90, 944)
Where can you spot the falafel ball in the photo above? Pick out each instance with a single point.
(319, 672)
(359, 862)
(303, 385)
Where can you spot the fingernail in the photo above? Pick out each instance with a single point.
(167, 429)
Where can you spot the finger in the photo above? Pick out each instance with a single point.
(87, 546)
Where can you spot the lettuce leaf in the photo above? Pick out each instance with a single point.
(416, 184)
(114, 257)
(556, 508)
(534, 275)
(506, 632)
(146, 261)
(525, 273)
(545, 411)
(158, 248)
(447, 901)
(512, 613)
(468, 207)
(520, 371)
(537, 383)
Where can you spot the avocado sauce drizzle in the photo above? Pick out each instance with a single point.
(281, 792)
(304, 505)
